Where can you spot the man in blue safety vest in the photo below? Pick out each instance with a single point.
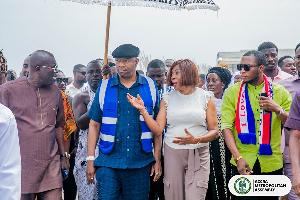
(125, 157)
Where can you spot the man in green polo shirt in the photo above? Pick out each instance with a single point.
(251, 121)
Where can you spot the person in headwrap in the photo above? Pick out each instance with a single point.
(236, 77)
(217, 80)
(3, 68)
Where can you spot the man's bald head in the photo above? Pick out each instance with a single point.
(39, 57)
(42, 71)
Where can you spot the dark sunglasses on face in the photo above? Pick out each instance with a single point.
(246, 67)
(83, 73)
(60, 80)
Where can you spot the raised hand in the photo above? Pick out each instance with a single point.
(138, 102)
(106, 71)
(268, 104)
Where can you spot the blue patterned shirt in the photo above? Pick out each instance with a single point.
(164, 90)
(127, 151)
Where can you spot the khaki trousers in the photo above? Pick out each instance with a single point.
(55, 194)
(186, 173)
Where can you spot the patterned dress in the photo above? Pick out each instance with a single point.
(220, 167)
(85, 191)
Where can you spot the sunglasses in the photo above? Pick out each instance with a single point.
(60, 80)
(246, 67)
(83, 73)
(48, 67)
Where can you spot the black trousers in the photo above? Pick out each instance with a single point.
(69, 185)
(257, 171)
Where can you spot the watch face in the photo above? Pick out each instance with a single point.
(64, 155)
(281, 111)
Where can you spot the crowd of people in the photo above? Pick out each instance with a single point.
(112, 132)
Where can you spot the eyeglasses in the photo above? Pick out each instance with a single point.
(60, 80)
(83, 73)
(246, 67)
(48, 67)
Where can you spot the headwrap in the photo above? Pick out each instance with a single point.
(223, 73)
(233, 76)
(245, 121)
(3, 64)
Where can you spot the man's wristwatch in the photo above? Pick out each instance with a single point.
(281, 111)
(65, 155)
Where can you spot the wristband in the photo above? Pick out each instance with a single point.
(90, 158)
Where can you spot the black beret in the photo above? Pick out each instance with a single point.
(126, 51)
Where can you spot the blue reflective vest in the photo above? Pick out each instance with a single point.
(108, 101)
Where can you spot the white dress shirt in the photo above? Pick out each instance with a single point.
(10, 158)
(71, 90)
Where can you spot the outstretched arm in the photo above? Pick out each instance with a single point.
(156, 126)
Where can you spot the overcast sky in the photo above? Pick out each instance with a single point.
(75, 33)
